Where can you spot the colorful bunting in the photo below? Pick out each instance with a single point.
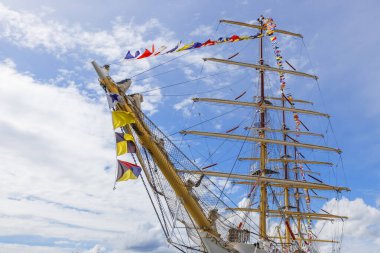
(160, 50)
(146, 53)
(234, 38)
(193, 45)
(270, 25)
(122, 118)
(173, 49)
(185, 47)
(126, 170)
(196, 45)
(129, 56)
(208, 43)
(124, 143)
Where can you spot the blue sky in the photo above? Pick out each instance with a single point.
(56, 132)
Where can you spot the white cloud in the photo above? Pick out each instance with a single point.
(55, 147)
(184, 106)
(96, 249)
(203, 30)
(151, 101)
(16, 248)
(361, 230)
(33, 31)
(183, 103)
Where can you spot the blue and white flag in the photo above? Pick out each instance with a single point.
(113, 99)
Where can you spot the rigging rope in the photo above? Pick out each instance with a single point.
(183, 82)
(159, 65)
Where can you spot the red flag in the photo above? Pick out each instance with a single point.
(208, 43)
(147, 53)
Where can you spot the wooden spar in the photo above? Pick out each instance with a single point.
(285, 131)
(305, 171)
(261, 67)
(318, 197)
(281, 160)
(260, 105)
(284, 99)
(263, 148)
(311, 196)
(259, 27)
(305, 186)
(295, 214)
(261, 140)
(306, 239)
(286, 171)
(160, 158)
(275, 182)
(295, 169)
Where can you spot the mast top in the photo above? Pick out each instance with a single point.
(260, 27)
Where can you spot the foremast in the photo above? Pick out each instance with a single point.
(147, 140)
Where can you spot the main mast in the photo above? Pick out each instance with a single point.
(286, 172)
(263, 146)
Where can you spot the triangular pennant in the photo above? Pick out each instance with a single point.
(129, 56)
(234, 38)
(173, 49)
(208, 43)
(187, 46)
(160, 50)
(195, 45)
(146, 53)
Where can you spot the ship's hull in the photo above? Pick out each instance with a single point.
(213, 246)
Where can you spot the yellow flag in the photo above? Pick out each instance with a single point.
(185, 47)
(121, 118)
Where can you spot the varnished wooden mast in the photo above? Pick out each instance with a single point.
(263, 146)
(297, 195)
(286, 173)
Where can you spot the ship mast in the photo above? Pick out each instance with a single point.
(286, 173)
(263, 146)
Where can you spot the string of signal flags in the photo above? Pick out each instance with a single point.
(193, 45)
(125, 142)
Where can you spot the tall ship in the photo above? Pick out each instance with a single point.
(265, 192)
